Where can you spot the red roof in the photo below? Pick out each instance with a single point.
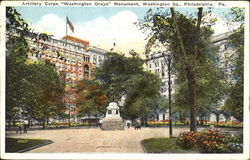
(74, 39)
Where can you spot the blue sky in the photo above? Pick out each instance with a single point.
(102, 26)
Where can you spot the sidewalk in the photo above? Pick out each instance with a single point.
(95, 140)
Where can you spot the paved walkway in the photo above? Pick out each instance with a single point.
(95, 140)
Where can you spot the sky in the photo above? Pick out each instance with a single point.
(103, 26)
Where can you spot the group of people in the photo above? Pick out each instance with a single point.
(22, 127)
(137, 124)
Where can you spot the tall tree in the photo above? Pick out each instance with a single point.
(47, 90)
(16, 55)
(143, 89)
(115, 72)
(186, 40)
(32, 88)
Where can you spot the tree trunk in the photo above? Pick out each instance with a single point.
(193, 95)
(29, 124)
(96, 123)
(217, 117)
(146, 121)
(44, 123)
(188, 64)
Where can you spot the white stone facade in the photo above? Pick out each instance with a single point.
(156, 62)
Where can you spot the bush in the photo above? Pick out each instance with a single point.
(232, 145)
(210, 141)
(187, 140)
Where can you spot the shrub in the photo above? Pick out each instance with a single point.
(211, 141)
(187, 140)
(232, 145)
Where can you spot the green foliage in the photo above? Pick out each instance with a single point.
(233, 144)
(47, 89)
(120, 75)
(200, 82)
(236, 15)
(115, 72)
(33, 88)
(142, 95)
(234, 103)
(16, 55)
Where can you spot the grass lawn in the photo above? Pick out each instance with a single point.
(18, 144)
(164, 145)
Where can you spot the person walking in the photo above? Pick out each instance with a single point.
(128, 124)
(25, 126)
(19, 129)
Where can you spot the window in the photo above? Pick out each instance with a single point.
(86, 71)
(94, 59)
(100, 59)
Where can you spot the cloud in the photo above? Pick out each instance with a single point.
(221, 25)
(118, 29)
(101, 32)
(51, 23)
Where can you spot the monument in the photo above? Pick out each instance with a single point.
(112, 120)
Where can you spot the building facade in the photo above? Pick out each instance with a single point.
(73, 58)
(156, 62)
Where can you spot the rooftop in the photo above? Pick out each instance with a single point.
(75, 39)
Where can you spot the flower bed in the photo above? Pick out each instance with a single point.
(154, 123)
(227, 124)
(62, 124)
(210, 141)
(72, 124)
(230, 124)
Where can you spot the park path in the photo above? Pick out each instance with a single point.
(94, 140)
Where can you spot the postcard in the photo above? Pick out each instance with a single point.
(124, 79)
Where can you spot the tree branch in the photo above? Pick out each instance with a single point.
(197, 33)
(179, 36)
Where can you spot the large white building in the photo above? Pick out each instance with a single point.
(156, 62)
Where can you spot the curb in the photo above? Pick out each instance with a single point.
(143, 147)
(36, 146)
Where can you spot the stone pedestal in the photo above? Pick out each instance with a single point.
(112, 121)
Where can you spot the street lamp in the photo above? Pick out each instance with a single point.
(169, 95)
(168, 61)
